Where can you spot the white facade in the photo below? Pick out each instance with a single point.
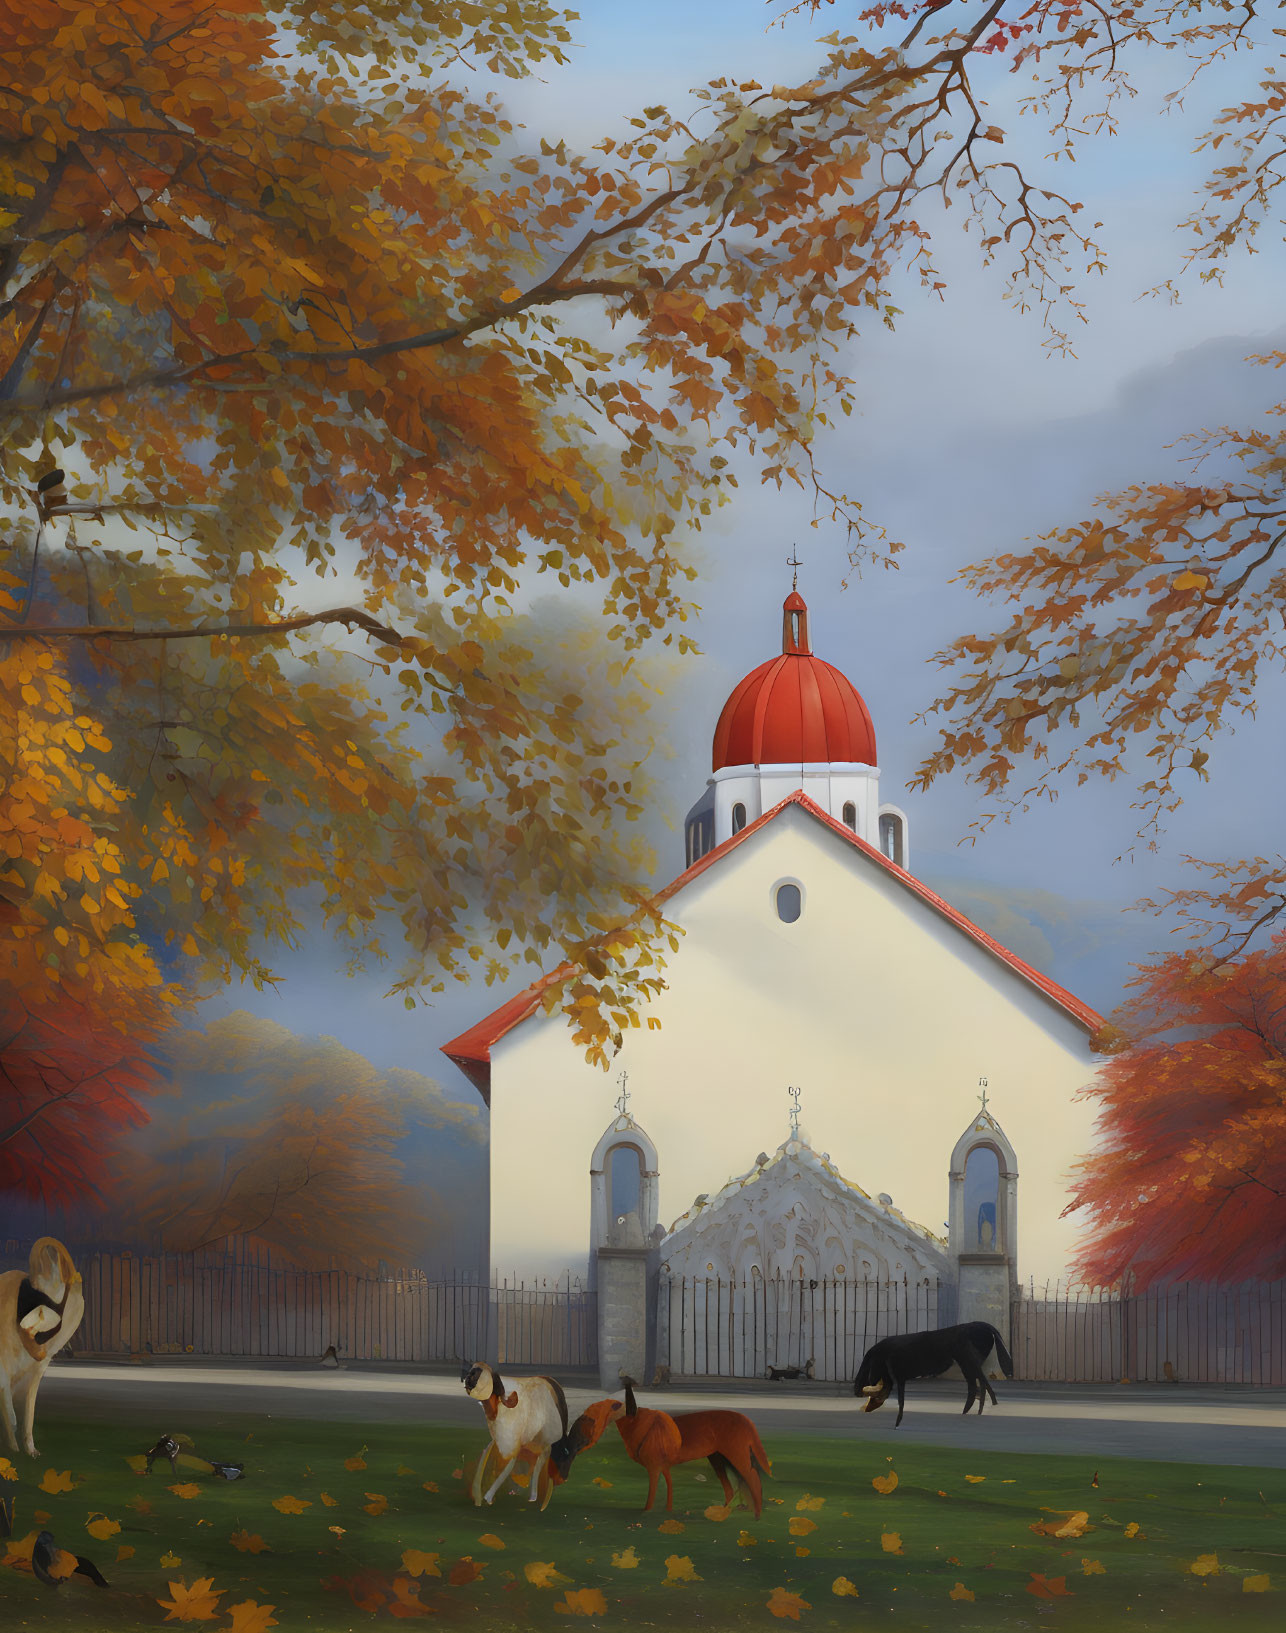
(876, 1001)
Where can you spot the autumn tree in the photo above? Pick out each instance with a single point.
(298, 1144)
(1189, 1182)
(291, 302)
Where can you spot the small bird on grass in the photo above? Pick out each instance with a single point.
(48, 1562)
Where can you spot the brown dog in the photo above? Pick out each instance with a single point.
(40, 1309)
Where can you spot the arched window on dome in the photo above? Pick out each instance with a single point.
(738, 817)
(850, 815)
(892, 838)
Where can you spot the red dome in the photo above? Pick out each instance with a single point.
(795, 709)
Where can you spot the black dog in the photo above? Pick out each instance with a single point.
(888, 1365)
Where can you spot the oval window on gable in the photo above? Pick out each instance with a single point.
(789, 903)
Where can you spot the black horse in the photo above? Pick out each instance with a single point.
(889, 1365)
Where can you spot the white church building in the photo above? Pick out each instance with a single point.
(812, 960)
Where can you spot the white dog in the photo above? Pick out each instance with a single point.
(40, 1309)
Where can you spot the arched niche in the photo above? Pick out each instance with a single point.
(983, 1215)
(624, 1187)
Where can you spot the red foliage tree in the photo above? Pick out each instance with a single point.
(1190, 1179)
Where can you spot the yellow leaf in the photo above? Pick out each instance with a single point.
(842, 1588)
(7, 1470)
(248, 1617)
(429, 1485)
(170, 1562)
(1092, 1567)
(378, 1503)
(717, 1512)
(746, 1540)
(800, 1527)
(198, 1603)
(138, 1464)
(885, 1483)
(327, 1500)
(187, 1490)
(801, 1552)
(582, 1602)
(403, 1470)
(124, 1552)
(1048, 1587)
(490, 1540)
(598, 1480)
(975, 1479)
(961, 1592)
(1255, 1584)
(1205, 1565)
(290, 1505)
(355, 1462)
(782, 1603)
(541, 1573)
(249, 1542)
(673, 1527)
(1132, 1530)
(54, 1482)
(626, 1561)
(891, 1542)
(806, 1502)
(679, 1568)
(417, 1563)
(1190, 581)
(406, 1599)
(100, 1527)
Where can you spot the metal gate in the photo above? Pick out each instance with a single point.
(707, 1327)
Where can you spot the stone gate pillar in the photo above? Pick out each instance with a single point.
(983, 1223)
(624, 1186)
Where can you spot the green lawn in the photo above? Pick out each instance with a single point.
(393, 1537)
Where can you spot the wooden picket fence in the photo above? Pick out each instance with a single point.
(244, 1303)
(1192, 1332)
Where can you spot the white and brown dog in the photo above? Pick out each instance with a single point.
(40, 1309)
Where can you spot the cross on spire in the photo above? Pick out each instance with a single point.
(982, 1084)
(792, 561)
(794, 1094)
(623, 1101)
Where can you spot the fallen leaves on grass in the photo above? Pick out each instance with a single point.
(249, 1542)
(800, 1527)
(543, 1573)
(1205, 1565)
(404, 1471)
(1049, 1587)
(1255, 1584)
(679, 1568)
(891, 1542)
(783, 1603)
(489, 1539)
(672, 1527)
(417, 1563)
(886, 1483)
(807, 1502)
(100, 1527)
(7, 1470)
(975, 1479)
(1092, 1567)
(626, 1561)
(290, 1505)
(598, 1480)
(367, 1589)
(406, 1600)
(54, 1482)
(802, 1553)
(377, 1504)
(1132, 1530)
(327, 1500)
(429, 1485)
(124, 1552)
(1068, 1522)
(962, 1592)
(842, 1588)
(140, 1505)
(170, 1562)
(718, 1512)
(464, 1571)
(187, 1490)
(248, 1617)
(746, 1540)
(356, 1461)
(582, 1602)
(198, 1603)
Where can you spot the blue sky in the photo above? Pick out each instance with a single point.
(969, 438)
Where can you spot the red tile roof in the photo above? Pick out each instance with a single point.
(471, 1051)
